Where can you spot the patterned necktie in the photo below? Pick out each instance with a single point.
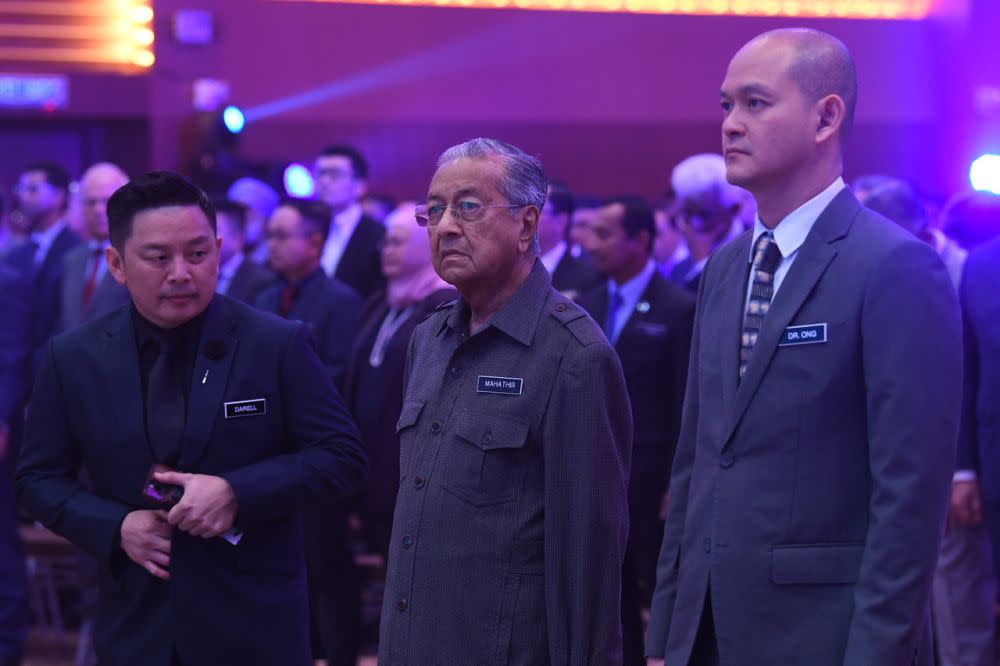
(766, 257)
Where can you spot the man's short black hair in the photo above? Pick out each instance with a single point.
(155, 189)
(235, 210)
(315, 215)
(55, 174)
(561, 198)
(358, 163)
(638, 217)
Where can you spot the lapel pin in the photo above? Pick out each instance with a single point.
(642, 307)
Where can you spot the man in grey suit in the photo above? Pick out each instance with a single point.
(515, 438)
(809, 490)
(88, 289)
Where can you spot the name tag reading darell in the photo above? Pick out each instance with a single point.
(240, 408)
(504, 385)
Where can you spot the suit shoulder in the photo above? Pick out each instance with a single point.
(436, 317)
(670, 295)
(343, 293)
(255, 321)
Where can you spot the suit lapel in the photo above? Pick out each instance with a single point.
(216, 351)
(75, 278)
(812, 261)
(125, 385)
(732, 292)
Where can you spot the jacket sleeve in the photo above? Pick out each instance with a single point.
(47, 473)
(15, 344)
(967, 458)
(912, 364)
(668, 564)
(587, 439)
(325, 457)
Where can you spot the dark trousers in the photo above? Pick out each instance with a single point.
(13, 576)
(633, 644)
(706, 648)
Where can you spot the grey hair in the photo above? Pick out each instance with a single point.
(524, 182)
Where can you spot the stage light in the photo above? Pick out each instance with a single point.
(298, 181)
(233, 119)
(984, 174)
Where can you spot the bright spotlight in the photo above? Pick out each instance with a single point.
(299, 181)
(985, 173)
(233, 119)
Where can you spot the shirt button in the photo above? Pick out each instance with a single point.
(727, 460)
(707, 545)
(407, 541)
(402, 604)
(419, 482)
(455, 371)
(487, 439)
(436, 427)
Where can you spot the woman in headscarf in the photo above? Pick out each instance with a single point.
(374, 385)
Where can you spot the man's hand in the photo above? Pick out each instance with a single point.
(653, 661)
(966, 503)
(208, 507)
(146, 540)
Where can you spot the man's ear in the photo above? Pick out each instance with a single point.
(529, 227)
(830, 112)
(116, 264)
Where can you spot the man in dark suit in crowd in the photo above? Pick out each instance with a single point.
(975, 498)
(235, 400)
(351, 251)
(515, 433)
(808, 493)
(572, 274)
(88, 288)
(239, 277)
(332, 311)
(648, 320)
(42, 198)
(15, 380)
(705, 210)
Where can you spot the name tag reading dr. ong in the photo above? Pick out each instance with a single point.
(240, 408)
(809, 334)
(504, 385)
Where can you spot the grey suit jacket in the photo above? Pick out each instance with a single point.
(108, 294)
(249, 281)
(809, 498)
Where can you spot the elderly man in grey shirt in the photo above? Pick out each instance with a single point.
(511, 518)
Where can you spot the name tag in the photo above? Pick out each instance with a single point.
(257, 407)
(809, 334)
(505, 385)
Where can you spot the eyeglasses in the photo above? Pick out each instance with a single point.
(332, 173)
(428, 215)
(282, 236)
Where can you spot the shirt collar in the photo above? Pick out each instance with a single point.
(44, 239)
(552, 258)
(228, 269)
(95, 245)
(518, 317)
(632, 290)
(348, 219)
(145, 330)
(791, 232)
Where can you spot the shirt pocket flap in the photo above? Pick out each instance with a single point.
(821, 564)
(492, 431)
(409, 414)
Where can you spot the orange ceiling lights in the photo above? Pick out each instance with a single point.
(855, 9)
(83, 35)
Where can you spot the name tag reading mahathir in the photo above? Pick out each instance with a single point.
(504, 385)
(240, 408)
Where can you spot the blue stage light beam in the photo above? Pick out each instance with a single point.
(299, 181)
(233, 119)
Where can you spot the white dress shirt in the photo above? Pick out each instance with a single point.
(630, 293)
(44, 240)
(552, 258)
(227, 271)
(342, 227)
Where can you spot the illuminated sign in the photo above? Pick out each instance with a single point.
(33, 91)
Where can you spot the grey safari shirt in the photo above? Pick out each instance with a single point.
(511, 518)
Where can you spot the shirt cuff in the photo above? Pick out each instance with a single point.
(963, 475)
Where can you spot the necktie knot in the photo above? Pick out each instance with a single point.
(766, 255)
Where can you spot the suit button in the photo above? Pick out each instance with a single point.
(419, 482)
(727, 460)
(455, 371)
(407, 541)
(561, 307)
(487, 439)
(436, 427)
(402, 604)
(707, 545)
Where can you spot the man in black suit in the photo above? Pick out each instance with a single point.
(649, 322)
(352, 249)
(233, 399)
(15, 359)
(42, 199)
(571, 270)
(88, 288)
(239, 277)
(331, 309)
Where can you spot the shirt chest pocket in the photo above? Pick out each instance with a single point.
(483, 463)
(407, 433)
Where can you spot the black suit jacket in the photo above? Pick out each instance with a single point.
(575, 275)
(330, 309)
(15, 342)
(360, 266)
(250, 279)
(108, 294)
(224, 604)
(47, 280)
